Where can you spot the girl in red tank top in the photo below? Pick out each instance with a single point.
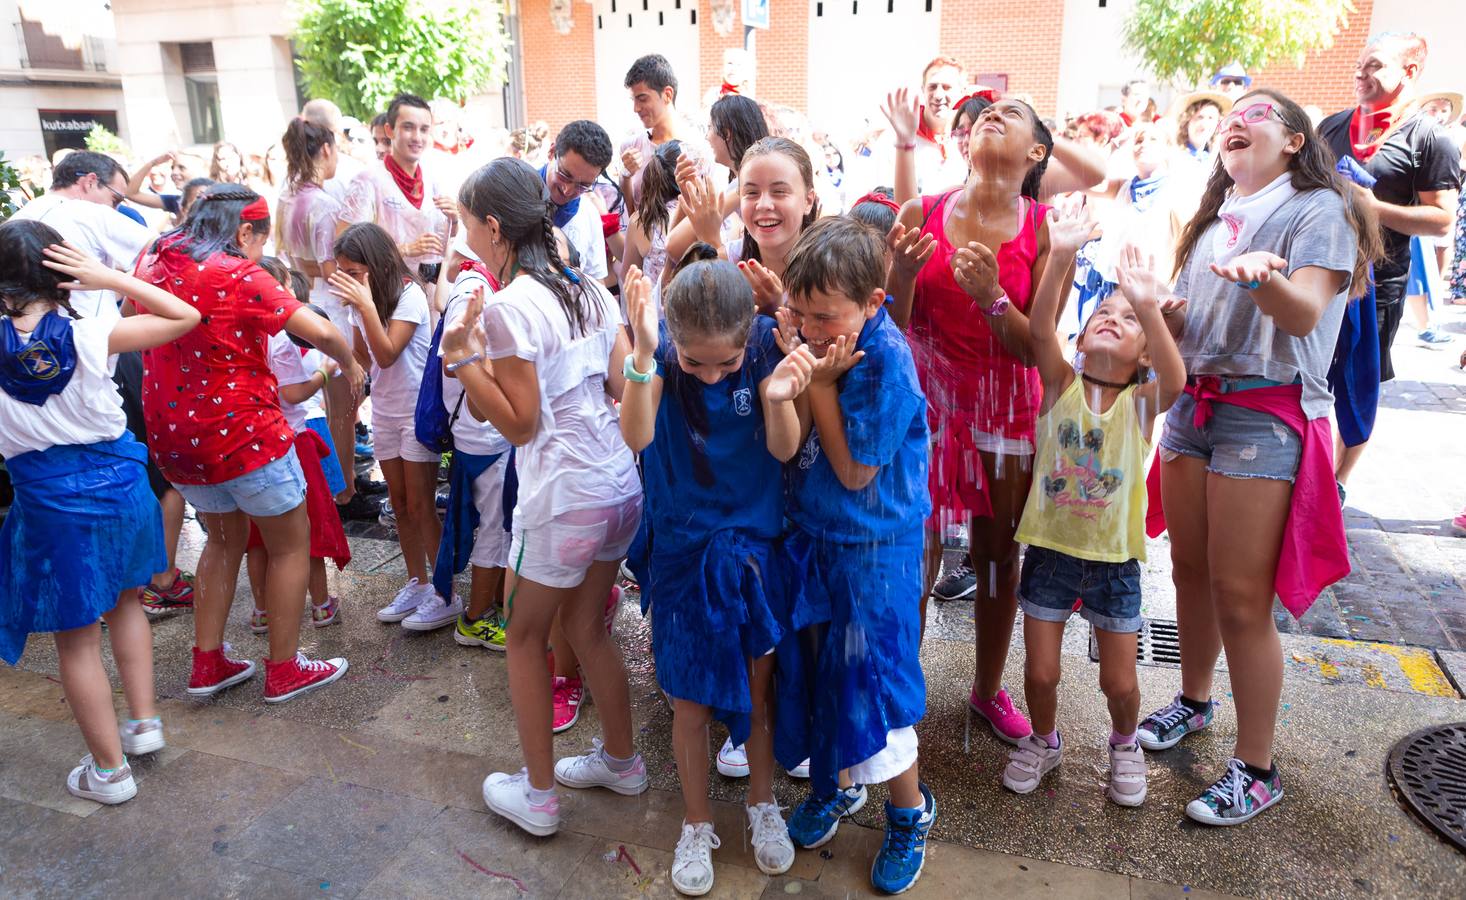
(965, 316)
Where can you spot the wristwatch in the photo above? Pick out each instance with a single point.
(999, 307)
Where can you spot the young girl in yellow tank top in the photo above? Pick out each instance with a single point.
(1084, 523)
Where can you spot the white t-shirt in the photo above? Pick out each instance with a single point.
(576, 458)
(394, 389)
(98, 230)
(347, 168)
(469, 434)
(583, 232)
(375, 197)
(88, 409)
(292, 368)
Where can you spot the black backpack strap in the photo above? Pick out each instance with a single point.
(936, 206)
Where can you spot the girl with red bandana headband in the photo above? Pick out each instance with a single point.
(212, 410)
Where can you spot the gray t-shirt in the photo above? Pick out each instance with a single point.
(1225, 332)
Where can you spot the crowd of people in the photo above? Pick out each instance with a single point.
(714, 362)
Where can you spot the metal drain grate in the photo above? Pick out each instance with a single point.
(1158, 644)
(1428, 770)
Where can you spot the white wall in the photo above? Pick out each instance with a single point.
(1439, 21)
(1093, 64)
(845, 96)
(618, 45)
(20, 125)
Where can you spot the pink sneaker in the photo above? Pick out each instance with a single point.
(568, 694)
(1008, 723)
(613, 603)
(1458, 524)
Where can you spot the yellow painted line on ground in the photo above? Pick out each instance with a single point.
(1416, 664)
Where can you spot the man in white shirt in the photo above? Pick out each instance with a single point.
(939, 160)
(581, 152)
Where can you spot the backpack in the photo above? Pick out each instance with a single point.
(432, 423)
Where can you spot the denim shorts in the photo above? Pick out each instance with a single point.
(1108, 593)
(1236, 442)
(271, 490)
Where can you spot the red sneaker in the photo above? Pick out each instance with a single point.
(568, 694)
(176, 597)
(613, 603)
(213, 671)
(295, 676)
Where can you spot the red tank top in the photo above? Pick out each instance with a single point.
(965, 370)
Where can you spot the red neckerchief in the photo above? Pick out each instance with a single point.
(1367, 133)
(411, 186)
(727, 89)
(923, 130)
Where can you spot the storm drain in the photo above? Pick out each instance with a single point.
(1428, 770)
(1157, 645)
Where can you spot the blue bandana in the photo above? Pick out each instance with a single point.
(35, 368)
(563, 214)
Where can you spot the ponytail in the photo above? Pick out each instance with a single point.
(303, 142)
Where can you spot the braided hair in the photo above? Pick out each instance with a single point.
(512, 193)
(24, 279)
(213, 223)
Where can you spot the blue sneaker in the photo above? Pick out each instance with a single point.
(815, 820)
(903, 852)
(363, 449)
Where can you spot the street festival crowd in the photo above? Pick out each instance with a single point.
(760, 376)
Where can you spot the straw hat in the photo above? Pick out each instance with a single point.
(1182, 103)
(1451, 97)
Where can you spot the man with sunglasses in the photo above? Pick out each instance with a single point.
(578, 158)
(1232, 81)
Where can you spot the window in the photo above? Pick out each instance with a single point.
(201, 86)
(46, 51)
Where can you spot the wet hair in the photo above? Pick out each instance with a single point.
(655, 72)
(740, 123)
(659, 188)
(1183, 124)
(1312, 168)
(942, 61)
(302, 142)
(23, 277)
(839, 254)
(191, 189)
(513, 194)
(219, 174)
(785, 147)
(877, 215)
(80, 163)
(213, 223)
(697, 252)
(1041, 135)
(588, 140)
(405, 99)
(368, 244)
(709, 300)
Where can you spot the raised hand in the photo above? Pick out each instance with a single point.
(355, 294)
(786, 335)
(903, 111)
(976, 271)
(702, 205)
(1071, 225)
(1251, 270)
(768, 289)
(791, 376)
(1136, 275)
(87, 273)
(910, 249)
(839, 359)
(464, 336)
(641, 311)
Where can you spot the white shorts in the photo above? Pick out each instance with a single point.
(395, 437)
(491, 541)
(558, 553)
(896, 757)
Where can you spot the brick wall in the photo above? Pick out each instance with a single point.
(710, 54)
(782, 54)
(559, 69)
(1326, 79)
(1018, 37)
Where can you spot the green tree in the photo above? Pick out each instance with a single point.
(361, 52)
(100, 140)
(10, 188)
(1187, 40)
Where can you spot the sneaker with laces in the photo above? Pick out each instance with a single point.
(772, 849)
(259, 621)
(433, 612)
(508, 795)
(1007, 722)
(327, 613)
(408, 599)
(293, 677)
(590, 769)
(903, 852)
(1127, 775)
(1164, 728)
(1237, 796)
(566, 698)
(387, 517)
(1434, 336)
(176, 597)
(487, 631)
(360, 508)
(958, 584)
(816, 819)
(213, 671)
(141, 736)
(732, 761)
(1029, 762)
(692, 861)
(800, 771)
(111, 788)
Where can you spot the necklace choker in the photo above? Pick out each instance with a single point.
(1109, 384)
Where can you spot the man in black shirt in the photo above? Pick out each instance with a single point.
(1418, 172)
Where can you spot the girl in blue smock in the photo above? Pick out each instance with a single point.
(709, 404)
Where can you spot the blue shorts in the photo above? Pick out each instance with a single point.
(1108, 593)
(1236, 442)
(271, 490)
(330, 465)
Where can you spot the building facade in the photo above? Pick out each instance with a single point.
(59, 76)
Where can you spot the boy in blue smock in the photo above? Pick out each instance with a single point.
(850, 683)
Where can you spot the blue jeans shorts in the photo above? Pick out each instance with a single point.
(1235, 442)
(1108, 593)
(271, 490)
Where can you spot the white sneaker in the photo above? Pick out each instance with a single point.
(590, 770)
(433, 613)
(404, 603)
(800, 771)
(1029, 762)
(1127, 775)
(141, 736)
(508, 795)
(732, 761)
(772, 849)
(692, 861)
(116, 788)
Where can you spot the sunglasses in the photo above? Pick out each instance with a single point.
(1232, 82)
(580, 186)
(1252, 115)
(117, 196)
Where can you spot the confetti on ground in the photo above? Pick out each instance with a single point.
(502, 876)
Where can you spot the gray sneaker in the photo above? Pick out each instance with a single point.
(1164, 728)
(959, 584)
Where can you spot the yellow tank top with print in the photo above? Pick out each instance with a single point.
(1088, 494)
